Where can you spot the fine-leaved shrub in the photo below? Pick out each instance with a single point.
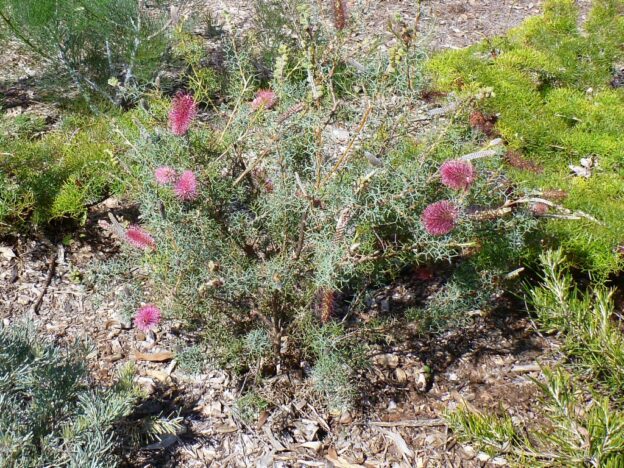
(59, 174)
(50, 415)
(582, 396)
(260, 228)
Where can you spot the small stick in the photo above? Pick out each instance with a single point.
(409, 423)
(51, 268)
(301, 238)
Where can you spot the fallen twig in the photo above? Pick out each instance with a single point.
(51, 268)
(409, 423)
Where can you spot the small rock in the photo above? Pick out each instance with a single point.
(213, 409)
(116, 346)
(146, 384)
(7, 252)
(158, 375)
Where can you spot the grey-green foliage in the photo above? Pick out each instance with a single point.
(49, 415)
(465, 291)
(91, 41)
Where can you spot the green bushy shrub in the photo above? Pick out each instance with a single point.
(91, 43)
(49, 415)
(57, 175)
(263, 245)
(552, 93)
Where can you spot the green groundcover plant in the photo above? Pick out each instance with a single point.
(57, 175)
(582, 397)
(264, 234)
(554, 92)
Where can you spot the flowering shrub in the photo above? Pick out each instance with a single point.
(440, 218)
(458, 175)
(139, 238)
(164, 175)
(265, 99)
(185, 187)
(279, 222)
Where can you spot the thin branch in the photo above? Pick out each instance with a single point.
(344, 157)
(301, 238)
(22, 37)
(569, 214)
(408, 423)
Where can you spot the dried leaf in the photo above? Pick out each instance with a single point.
(7, 252)
(154, 357)
(338, 462)
(399, 443)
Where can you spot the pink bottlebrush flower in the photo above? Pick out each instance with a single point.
(186, 186)
(147, 317)
(457, 174)
(140, 238)
(164, 175)
(439, 218)
(183, 111)
(265, 98)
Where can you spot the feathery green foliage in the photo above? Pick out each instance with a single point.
(90, 42)
(586, 428)
(552, 93)
(57, 175)
(591, 334)
(578, 434)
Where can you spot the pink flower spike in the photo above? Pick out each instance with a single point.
(186, 186)
(140, 238)
(183, 111)
(457, 174)
(147, 317)
(439, 218)
(265, 98)
(164, 175)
